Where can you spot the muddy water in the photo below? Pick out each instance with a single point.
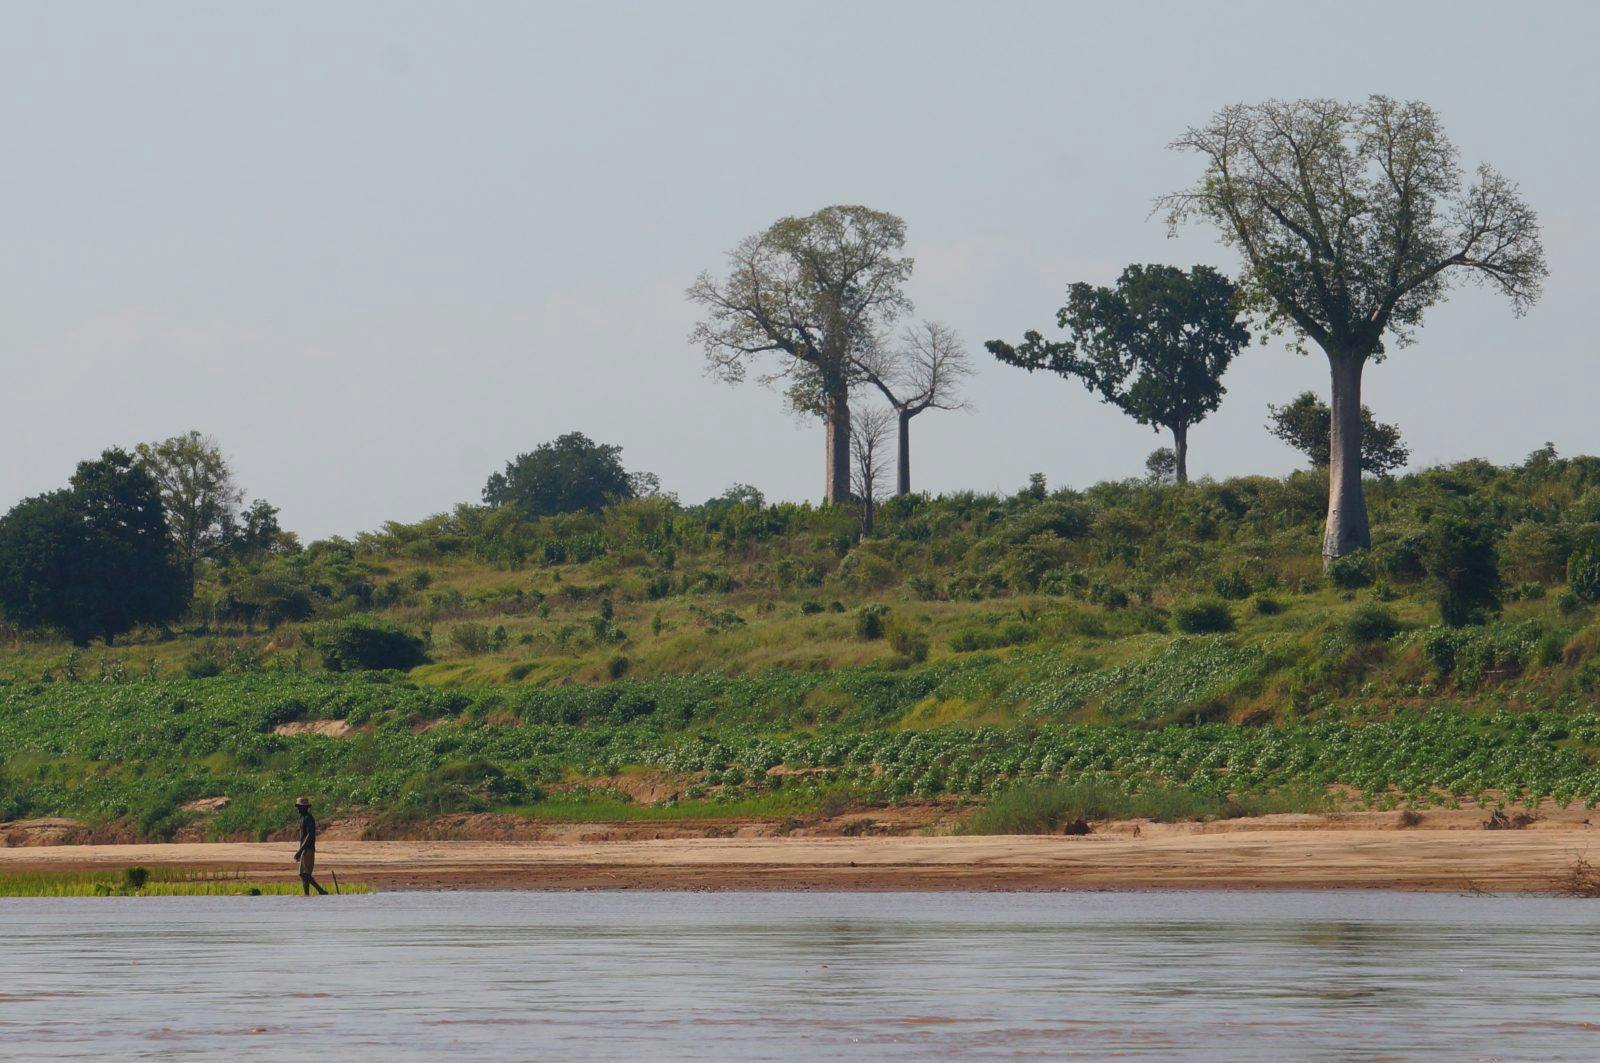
(646, 976)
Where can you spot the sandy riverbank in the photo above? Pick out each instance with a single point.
(1273, 853)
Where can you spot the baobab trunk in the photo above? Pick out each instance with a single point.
(836, 414)
(1180, 452)
(902, 482)
(1347, 529)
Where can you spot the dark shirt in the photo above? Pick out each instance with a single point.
(308, 834)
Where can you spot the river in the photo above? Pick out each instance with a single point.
(648, 976)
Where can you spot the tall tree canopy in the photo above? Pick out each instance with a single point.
(569, 474)
(1306, 424)
(802, 299)
(198, 493)
(95, 559)
(923, 371)
(1353, 219)
(1155, 346)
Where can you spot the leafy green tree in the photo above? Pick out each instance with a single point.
(807, 296)
(255, 532)
(1459, 556)
(198, 492)
(1353, 219)
(1306, 424)
(1161, 466)
(569, 474)
(1155, 346)
(95, 559)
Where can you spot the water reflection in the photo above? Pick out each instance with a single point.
(738, 976)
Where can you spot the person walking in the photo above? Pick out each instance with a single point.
(306, 855)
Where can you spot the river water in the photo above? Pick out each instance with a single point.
(648, 976)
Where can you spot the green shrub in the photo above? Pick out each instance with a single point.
(1583, 575)
(471, 639)
(870, 621)
(1266, 605)
(907, 640)
(1460, 559)
(203, 666)
(1350, 572)
(1202, 616)
(1234, 585)
(364, 645)
(1372, 623)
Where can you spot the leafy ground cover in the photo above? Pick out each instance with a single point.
(138, 753)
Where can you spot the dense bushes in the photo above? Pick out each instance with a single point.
(363, 645)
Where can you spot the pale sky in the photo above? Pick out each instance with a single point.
(376, 249)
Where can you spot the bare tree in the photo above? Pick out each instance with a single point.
(869, 452)
(808, 292)
(923, 372)
(1353, 219)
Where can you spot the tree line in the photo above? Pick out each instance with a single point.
(1352, 219)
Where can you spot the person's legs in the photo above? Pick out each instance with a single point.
(307, 883)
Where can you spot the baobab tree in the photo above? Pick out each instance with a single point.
(1353, 219)
(924, 371)
(1155, 346)
(806, 296)
(869, 452)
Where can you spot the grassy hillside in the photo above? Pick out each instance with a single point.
(770, 660)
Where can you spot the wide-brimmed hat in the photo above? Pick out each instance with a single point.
(302, 802)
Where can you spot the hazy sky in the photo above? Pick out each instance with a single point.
(378, 248)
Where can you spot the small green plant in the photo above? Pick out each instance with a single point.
(1202, 616)
(1372, 623)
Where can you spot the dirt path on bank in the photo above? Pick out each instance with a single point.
(1293, 853)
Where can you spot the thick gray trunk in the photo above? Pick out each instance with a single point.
(902, 483)
(836, 490)
(1180, 450)
(1347, 529)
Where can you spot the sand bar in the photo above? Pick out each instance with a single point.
(1263, 858)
